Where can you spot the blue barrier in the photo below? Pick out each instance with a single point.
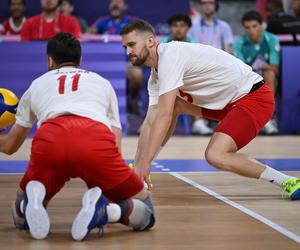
(290, 100)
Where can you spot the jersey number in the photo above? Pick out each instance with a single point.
(189, 98)
(62, 82)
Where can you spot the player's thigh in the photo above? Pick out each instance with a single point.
(48, 163)
(239, 127)
(104, 167)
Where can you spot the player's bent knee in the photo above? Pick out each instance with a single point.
(138, 214)
(214, 158)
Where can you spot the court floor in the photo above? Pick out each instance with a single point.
(197, 207)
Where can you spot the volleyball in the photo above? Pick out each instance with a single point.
(8, 107)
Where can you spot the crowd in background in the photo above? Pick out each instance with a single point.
(257, 47)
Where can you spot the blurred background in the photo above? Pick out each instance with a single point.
(264, 34)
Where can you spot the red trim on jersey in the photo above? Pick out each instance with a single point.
(10, 29)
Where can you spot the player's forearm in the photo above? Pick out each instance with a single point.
(3, 142)
(158, 133)
(11, 142)
(171, 129)
(143, 140)
(7, 146)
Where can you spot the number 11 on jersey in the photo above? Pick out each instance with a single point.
(62, 82)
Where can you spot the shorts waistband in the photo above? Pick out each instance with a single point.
(257, 85)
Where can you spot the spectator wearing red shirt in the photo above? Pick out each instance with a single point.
(49, 23)
(14, 24)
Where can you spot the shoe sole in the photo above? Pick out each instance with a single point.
(35, 213)
(83, 219)
(18, 221)
(296, 195)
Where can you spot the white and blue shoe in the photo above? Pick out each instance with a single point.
(93, 214)
(36, 217)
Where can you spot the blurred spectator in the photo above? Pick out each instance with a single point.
(67, 8)
(260, 50)
(14, 24)
(296, 8)
(211, 30)
(112, 25)
(116, 20)
(280, 22)
(287, 6)
(179, 26)
(50, 22)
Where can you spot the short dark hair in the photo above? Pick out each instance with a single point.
(137, 25)
(23, 1)
(252, 15)
(178, 17)
(64, 48)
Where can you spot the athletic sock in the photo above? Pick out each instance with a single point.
(113, 213)
(273, 176)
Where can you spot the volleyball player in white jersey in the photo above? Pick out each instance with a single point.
(200, 80)
(79, 135)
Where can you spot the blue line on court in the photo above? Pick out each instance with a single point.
(12, 167)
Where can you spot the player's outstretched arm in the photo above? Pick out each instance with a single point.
(12, 141)
(143, 142)
(157, 133)
(171, 128)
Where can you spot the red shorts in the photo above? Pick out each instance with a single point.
(72, 146)
(243, 119)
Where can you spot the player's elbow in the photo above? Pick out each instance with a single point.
(7, 151)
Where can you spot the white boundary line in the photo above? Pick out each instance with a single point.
(245, 210)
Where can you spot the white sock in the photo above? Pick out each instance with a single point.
(113, 212)
(22, 206)
(272, 175)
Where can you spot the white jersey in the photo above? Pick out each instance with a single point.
(67, 91)
(206, 76)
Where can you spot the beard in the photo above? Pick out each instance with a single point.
(116, 13)
(50, 10)
(139, 60)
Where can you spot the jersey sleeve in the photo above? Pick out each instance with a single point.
(274, 51)
(25, 116)
(113, 110)
(237, 49)
(171, 69)
(153, 89)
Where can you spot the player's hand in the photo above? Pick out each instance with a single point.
(142, 169)
(147, 184)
